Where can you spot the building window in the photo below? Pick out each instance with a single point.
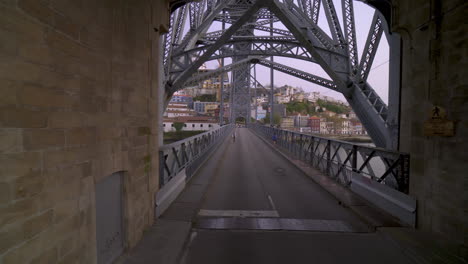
(201, 125)
(164, 125)
(209, 125)
(193, 125)
(185, 125)
(172, 125)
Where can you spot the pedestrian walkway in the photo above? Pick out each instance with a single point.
(248, 204)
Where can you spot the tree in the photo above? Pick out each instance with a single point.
(276, 119)
(179, 126)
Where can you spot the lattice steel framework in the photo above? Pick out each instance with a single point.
(303, 39)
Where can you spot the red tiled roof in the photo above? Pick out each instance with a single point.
(188, 119)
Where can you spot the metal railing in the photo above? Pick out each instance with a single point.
(341, 160)
(188, 153)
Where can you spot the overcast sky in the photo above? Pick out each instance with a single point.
(378, 77)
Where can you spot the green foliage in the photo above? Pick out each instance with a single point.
(170, 137)
(276, 119)
(205, 98)
(333, 107)
(300, 107)
(179, 126)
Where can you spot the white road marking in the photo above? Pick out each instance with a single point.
(237, 213)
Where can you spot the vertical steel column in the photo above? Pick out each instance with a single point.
(271, 79)
(255, 86)
(221, 97)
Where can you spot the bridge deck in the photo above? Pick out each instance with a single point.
(247, 204)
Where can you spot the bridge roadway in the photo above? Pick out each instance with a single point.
(248, 204)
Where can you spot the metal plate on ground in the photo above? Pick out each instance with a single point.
(109, 214)
(237, 213)
(287, 224)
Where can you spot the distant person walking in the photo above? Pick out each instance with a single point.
(234, 136)
(274, 138)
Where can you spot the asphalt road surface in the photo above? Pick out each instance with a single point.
(259, 208)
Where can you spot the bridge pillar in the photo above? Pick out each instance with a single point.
(434, 74)
(78, 103)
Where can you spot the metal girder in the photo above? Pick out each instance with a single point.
(315, 11)
(218, 33)
(167, 49)
(374, 99)
(197, 78)
(304, 40)
(336, 68)
(369, 116)
(222, 39)
(318, 37)
(299, 74)
(194, 34)
(260, 46)
(194, 12)
(333, 22)
(350, 34)
(370, 49)
(179, 25)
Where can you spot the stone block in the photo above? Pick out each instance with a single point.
(8, 91)
(37, 224)
(72, 257)
(68, 226)
(38, 10)
(28, 185)
(22, 71)
(66, 119)
(5, 193)
(16, 165)
(81, 136)
(36, 139)
(46, 257)
(8, 43)
(25, 28)
(10, 140)
(97, 39)
(67, 245)
(27, 251)
(62, 158)
(62, 43)
(11, 237)
(87, 185)
(22, 118)
(66, 26)
(17, 211)
(64, 210)
(36, 53)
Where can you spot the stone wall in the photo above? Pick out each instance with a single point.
(434, 67)
(78, 86)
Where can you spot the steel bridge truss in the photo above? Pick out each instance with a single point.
(302, 39)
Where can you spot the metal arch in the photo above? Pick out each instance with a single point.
(305, 35)
(260, 46)
(315, 11)
(370, 49)
(167, 49)
(188, 72)
(337, 56)
(300, 74)
(350, 34)
(195, 79)
(179, 25)
(333, 22)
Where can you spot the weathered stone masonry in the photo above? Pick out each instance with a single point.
(435, 53)
(78, 85)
